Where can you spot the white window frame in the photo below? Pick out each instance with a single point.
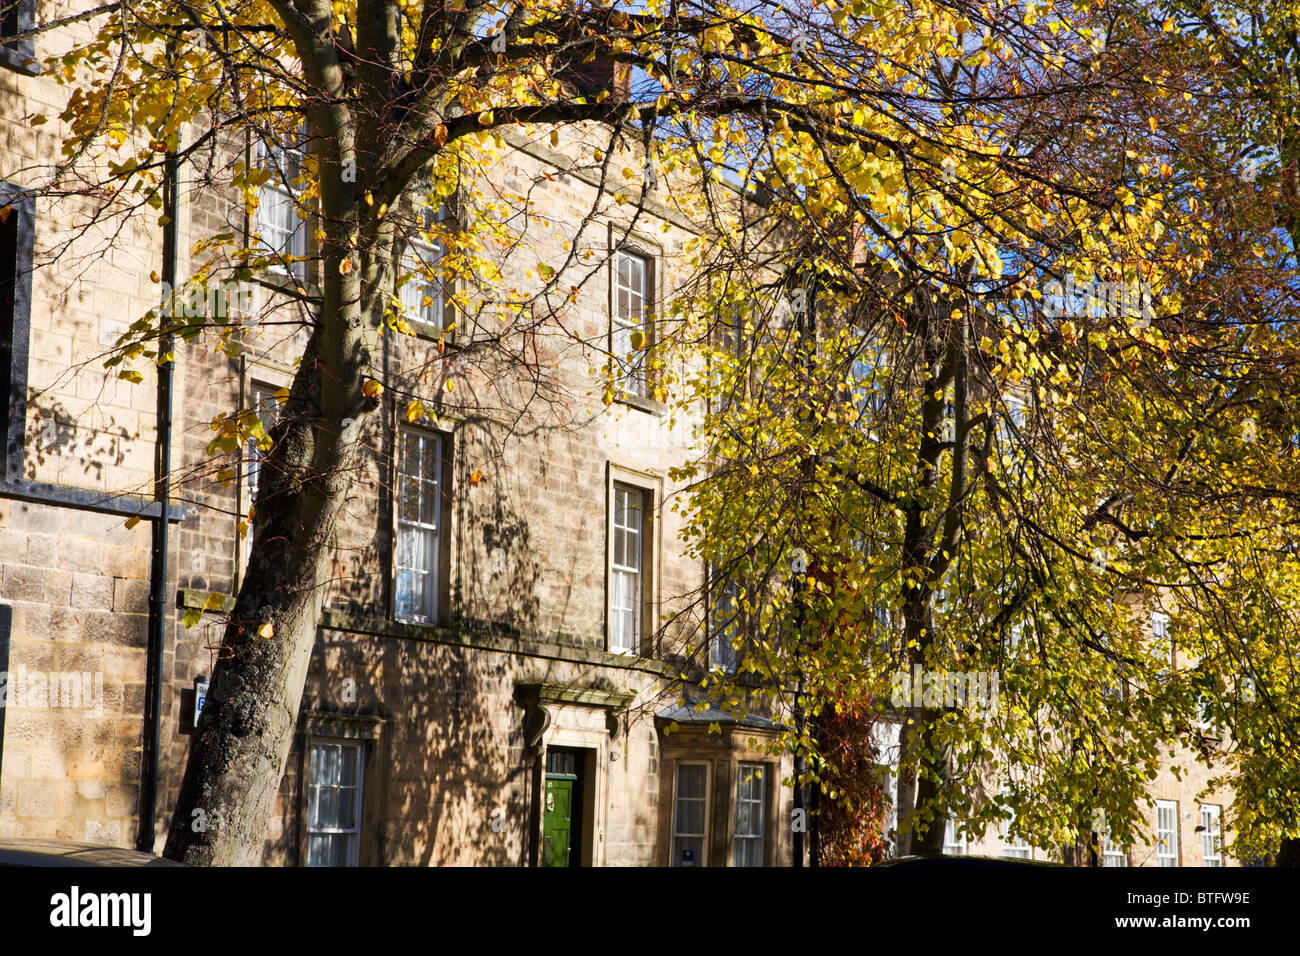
(703, 837)
(1111, 853)
(757, 776)
(280, 193)
(652, 762)
(1160, 636)
(262, 400)
(1204, 722)
(358, 794)
(619, 570)
(20, 55)
(724, 623)
(1014, 846)
(1015, 637)
(891, 791)
(269, 412)
(1167, 833)
(954, 844)
(1211, 834)
(432, 530)
(885, 737)
(629, 363)
(419, 255)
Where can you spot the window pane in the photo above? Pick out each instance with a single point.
(261, 400)
(419, 504)
(1210, 835)
(330, 767)
(313, 804)
(630, 298)
(409, 499)
(749, 852)
(334, 787)
(408, 596)
(748, 830)
(625, 567)
(689, 825)
(1167, 833)
(421, 290)
(692, 816)
(691, 780)
(347, 802)
(318, 850)
(328, 808)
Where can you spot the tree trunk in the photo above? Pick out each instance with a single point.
(239, 749)
(945, 357)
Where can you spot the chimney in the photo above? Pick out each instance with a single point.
(588, 79)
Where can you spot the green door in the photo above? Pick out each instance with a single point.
(559, 821)
(562, 825)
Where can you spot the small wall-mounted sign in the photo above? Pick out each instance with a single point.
(200, 695)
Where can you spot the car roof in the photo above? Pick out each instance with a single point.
(24, 851)
(963, 861)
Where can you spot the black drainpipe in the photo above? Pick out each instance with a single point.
(162, 492)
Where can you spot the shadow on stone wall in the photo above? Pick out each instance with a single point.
(55, 435)
(447, 756)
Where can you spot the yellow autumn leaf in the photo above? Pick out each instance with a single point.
(415, 410)
(266, 630)
(371, 388)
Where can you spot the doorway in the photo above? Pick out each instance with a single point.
(562, 826)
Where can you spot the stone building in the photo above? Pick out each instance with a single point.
(493, 680)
